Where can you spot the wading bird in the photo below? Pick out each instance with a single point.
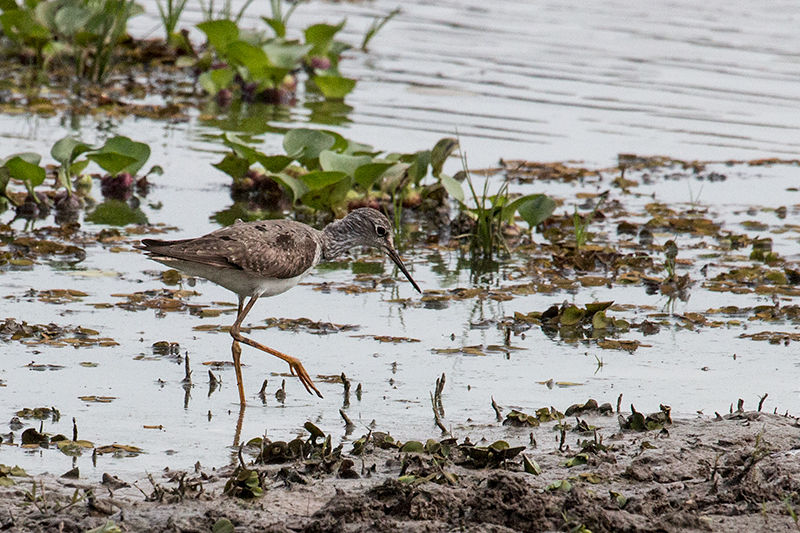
(268, 257)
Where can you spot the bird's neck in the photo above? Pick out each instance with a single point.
(337, 238)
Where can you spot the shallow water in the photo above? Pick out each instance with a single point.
(520, 80)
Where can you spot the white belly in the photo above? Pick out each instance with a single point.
(240, 282)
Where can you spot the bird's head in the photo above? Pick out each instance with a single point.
(370, 227)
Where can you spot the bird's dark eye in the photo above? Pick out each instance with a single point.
(380, 230)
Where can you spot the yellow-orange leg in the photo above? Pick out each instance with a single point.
(236, 348)
(295, 366)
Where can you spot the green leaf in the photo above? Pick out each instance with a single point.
(70, 19)
(331, 161)
(367, 175)
(329, 195)
(214, 81)
(20, 26)
(223, 525)
(319, 179)
(23, 167)
(440, 153)
(419, 165)
(250, 57)
(572, 315)
(453, 187)
(220, 33)
(277, 26)
(286, 55)
(67, 149)
(536, 209)
(233, 165)
(320, 36)
(303, 144)
(334, 87)
(600, 321)
(116, 151)
(531, 466)
(296, 187)
(271, 163)
(413, 446)
(112, 162)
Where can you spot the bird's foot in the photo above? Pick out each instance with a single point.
(296, 368)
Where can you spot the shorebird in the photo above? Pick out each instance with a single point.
(269, 257)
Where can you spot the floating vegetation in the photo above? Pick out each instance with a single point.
(520, 419)
(51, 335)
(308, 325)
(638, 422)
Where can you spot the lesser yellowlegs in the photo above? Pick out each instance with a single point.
(268, 257)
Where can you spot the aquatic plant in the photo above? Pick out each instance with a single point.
(377, 25)
(170, 15)
(259, 68)
(581, 224)
(490, 212)
(88, 32)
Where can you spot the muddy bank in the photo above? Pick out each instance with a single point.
(737, 473)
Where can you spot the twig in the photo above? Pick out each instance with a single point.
(188, 378)
(438, 395)
(436, 417)
(347, 422)
(761, 401)
(497, 410)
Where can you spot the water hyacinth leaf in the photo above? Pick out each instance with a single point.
(20, 26)
(562, 485)
(233, 165)
(452, 187)
(296, 187)
(285, 55)
(440, 153)
(304, 144)
(367, 175)
(66, 150)
(348, 164)
(220, 33)
(340, 143)
(536, 209)
(271, 163)
(354, 148)
(419, 165)
(112, 162)
(70, 19)
(120, 147)
(277, 26)
(413, 446)
(600, 321)
(594, 307)
(531, 466)
(320, 37)
(334, 87)
(214, 81)
(25, 167)
(572, 315)
(223, 525)
(320, 179)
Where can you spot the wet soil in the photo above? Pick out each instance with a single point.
(734, 473)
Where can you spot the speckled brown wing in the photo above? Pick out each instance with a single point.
(271, 248)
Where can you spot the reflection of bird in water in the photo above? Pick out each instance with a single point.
(268, 257)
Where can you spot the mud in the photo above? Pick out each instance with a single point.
(734, 473)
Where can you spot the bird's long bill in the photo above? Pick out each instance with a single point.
(397, 261)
